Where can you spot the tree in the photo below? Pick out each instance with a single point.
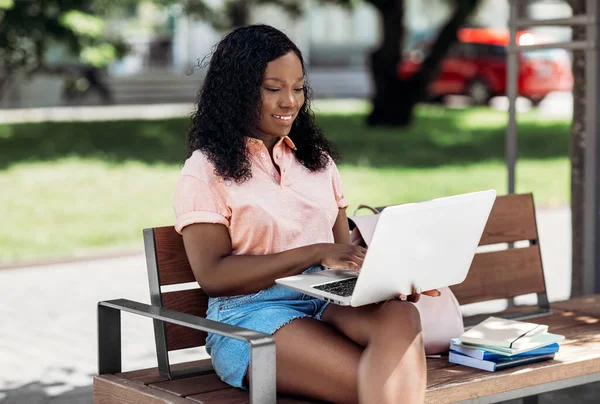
(394, 97)
(577, 154)
(29, 28)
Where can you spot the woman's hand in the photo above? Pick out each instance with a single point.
(416, 295)
(341, 256)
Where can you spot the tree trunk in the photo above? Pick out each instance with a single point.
(384, 60)
(239, 13)
(5, 81)
(395, 99)
(577, 155)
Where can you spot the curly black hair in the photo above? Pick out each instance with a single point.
(229, 101)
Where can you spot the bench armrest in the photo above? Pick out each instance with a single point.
(262, 346)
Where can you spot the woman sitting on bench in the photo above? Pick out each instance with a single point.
(260, 198)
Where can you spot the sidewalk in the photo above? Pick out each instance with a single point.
(144, 112)
(557, 105)
(48, 333)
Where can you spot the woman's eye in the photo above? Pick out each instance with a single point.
(273, 90)
(298, 90)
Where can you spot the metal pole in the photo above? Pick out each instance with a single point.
(512, 73)
(591, 204)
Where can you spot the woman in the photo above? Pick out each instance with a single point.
(260, 198)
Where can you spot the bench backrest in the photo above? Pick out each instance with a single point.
(493, 275)
(508, 272)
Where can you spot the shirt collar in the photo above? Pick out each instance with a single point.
(253, 142)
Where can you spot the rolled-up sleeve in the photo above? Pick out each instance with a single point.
(196, 202)
(338, 188)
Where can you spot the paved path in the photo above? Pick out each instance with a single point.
(48, 332)
(146, 112)
(558, 104)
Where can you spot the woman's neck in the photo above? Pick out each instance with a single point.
(268, 141)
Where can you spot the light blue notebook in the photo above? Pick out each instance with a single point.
(483, 353)
(498, 364)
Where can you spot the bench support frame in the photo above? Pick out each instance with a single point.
(262, 346)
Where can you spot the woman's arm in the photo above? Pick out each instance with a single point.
(341, 230)
(208, 248)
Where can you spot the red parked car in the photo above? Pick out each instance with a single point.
(476, 66)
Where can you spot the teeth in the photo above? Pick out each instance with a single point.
(285, 118)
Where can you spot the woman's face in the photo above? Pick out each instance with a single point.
(282, 94)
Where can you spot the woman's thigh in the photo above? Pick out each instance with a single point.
(316, 361)
(359, 323)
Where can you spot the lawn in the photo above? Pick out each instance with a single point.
(73, 188)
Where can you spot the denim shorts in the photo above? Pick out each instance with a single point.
(266, 311)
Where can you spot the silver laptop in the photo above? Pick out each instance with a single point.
(427, 244)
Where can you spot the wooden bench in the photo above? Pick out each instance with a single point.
(515, 270)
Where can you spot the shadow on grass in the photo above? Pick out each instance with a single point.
(160, 141)
(438, 137)
(441, 137)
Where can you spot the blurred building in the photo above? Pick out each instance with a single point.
(165, 64)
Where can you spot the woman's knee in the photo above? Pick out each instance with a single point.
(400, 315)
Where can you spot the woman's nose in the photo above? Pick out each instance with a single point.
(288, 101)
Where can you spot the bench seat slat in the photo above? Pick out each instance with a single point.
(579, 355)
(151, 375)
(192, 385)
(229, 396)
(502, 274)
(110, 389)
(462, 383)
(237, 396)
(566, 322)
(586, 304)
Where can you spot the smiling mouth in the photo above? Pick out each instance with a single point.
(284, 118)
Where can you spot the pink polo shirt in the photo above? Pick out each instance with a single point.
(268, 213)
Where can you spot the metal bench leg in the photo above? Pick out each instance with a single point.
(531, 399)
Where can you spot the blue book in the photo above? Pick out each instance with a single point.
(497, 364)
(486, 354)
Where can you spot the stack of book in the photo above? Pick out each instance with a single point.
(497, 343)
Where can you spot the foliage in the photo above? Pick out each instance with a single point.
(227, 15)
(29, 28)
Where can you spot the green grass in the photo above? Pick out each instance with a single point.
(74, 206)
(76, 187)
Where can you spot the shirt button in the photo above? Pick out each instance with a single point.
(263, 155)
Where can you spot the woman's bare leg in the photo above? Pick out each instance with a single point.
(392, 368)
(316, 361)
(328, 363)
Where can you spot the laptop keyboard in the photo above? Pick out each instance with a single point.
(341, 288)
